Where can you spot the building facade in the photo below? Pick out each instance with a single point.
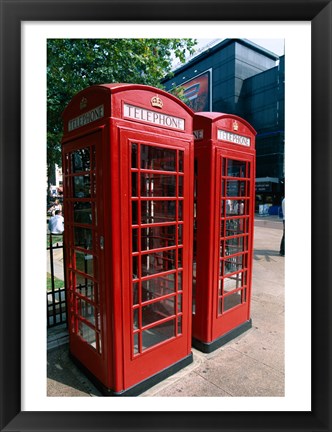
(239, 77)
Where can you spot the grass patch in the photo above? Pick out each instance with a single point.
(58, 283)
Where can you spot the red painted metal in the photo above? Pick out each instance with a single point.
(128, 207)
(223, 227)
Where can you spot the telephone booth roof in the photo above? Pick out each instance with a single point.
(228, 128)
(111, 97)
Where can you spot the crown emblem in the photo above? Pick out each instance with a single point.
(157, 102)
(235, 125)
(83, 103)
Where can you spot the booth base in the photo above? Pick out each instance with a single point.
(140, 387)
(207, 347)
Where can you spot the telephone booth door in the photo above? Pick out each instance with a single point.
(128, 182)
(224, 215)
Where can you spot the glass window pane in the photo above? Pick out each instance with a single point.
(158, 333)
(232, 300)
(134, 213)
(134, 184)
(84, 262)
(158, 237)
(83, 237)
(236, 226)
(135, 240)
(180, 186)
(158, 185)
(179, 281)
(81, 186)
(236, 188)
(135, 293)
(85, 287)
(181, 153)
(134, 155)
(136, 343)
(180, 324)
(86, 310)
(135, 267)
(180, 237)
(83, 212)
(156, 158)
(233, 282)
(135, 319)
(236, 168)
(158, 211)
(158, 262)
(236, 207)
(158, 287)
(87, 333)
(235, 245)
(81, 160)
(158, 310)
(234, 264)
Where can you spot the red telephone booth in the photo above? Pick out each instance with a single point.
(128, 209)
(223, 228)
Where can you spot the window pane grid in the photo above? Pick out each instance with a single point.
(157, 182)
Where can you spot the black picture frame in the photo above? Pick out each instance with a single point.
(319, 13)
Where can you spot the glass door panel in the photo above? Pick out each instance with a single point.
(82, 259)
(156, 244)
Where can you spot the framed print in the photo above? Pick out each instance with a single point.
(20, 203)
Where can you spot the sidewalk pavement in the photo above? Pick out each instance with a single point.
(252, 364)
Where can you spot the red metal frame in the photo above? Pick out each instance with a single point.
(140, 205)
(223, 235)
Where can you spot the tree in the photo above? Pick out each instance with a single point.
(74, 64)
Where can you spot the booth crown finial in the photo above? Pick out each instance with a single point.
(83, 103)
(156, 102)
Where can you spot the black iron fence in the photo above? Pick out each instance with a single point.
(55, 294)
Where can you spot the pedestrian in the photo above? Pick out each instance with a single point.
(282, 244)
(56, 206)
(55, 224)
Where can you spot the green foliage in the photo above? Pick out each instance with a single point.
(74, 64)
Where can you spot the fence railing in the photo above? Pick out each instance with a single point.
(55, 291)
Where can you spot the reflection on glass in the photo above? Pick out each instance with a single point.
(235, 207)
(81, 160)
(158, 333)
(157, 287)
(84, 286)
(135, 319)
(81, 185)
(235, 226)
(83, 237)
(87, 333)
(136, 343)
(233, 282)
(236, 168)
(158, 310)
(156, 158)
(236, 188)
(234, 264)
(83, 212)
(135, 267)
(235, 245)
(158, 262)
(158, 237)
(86, 310)
(158, 211)
(84, 262)
(158, 185)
